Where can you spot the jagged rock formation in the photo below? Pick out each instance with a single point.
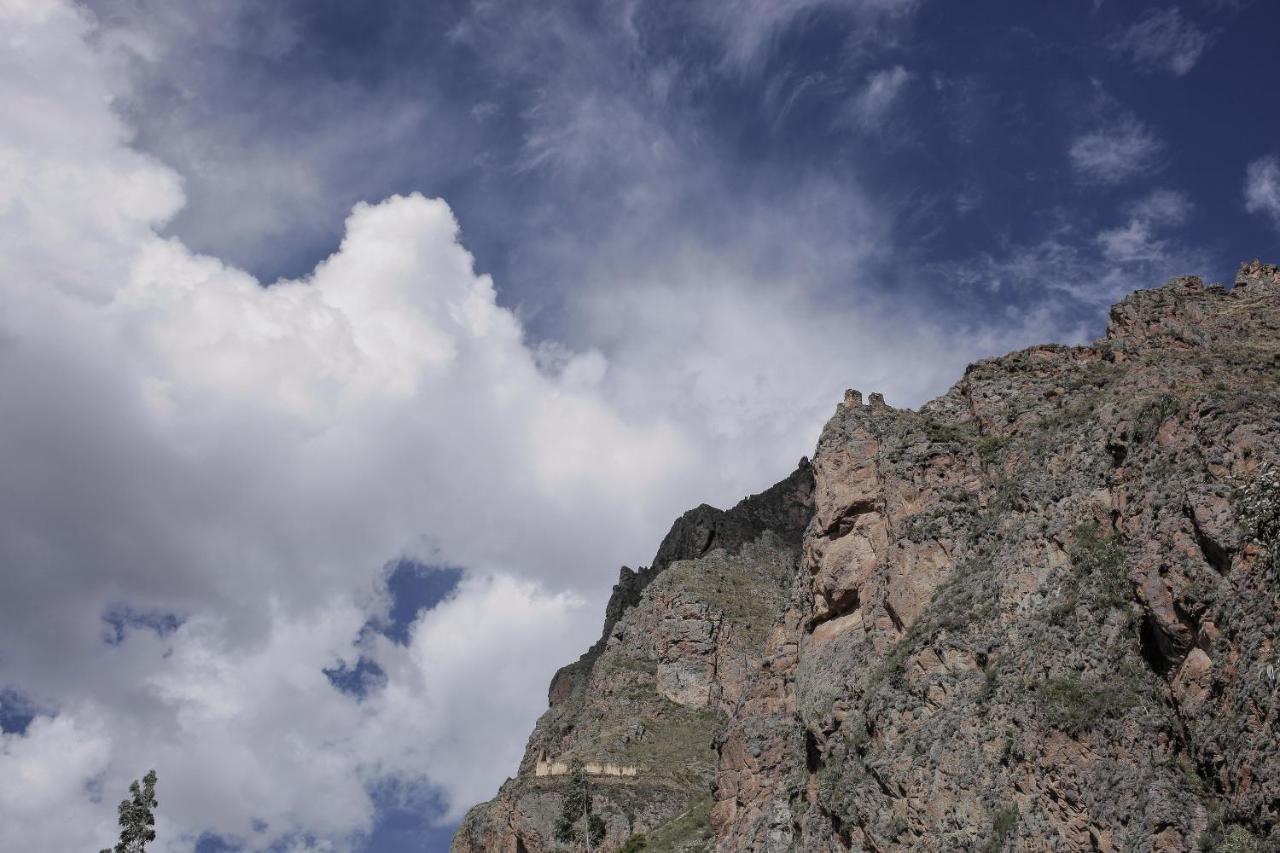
(1040, 613)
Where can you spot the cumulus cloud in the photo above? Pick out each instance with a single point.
(1162, 40)
(1262, 188)
(206, 474)
(331, 139)
(1117, 152)
(181, 440)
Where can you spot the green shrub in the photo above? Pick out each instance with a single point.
(1006, 819)
(1230, 838)
(989, 446)
(943, 433)
(634, 844)
(990, 683)
(1259, 503)
(577, 807)
(1101, 559)
(1152, 414)
(1075, 707)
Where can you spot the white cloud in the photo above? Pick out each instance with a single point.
(459, 670)
(874, 100)
(1117, 152)
(330, 141)
(1096, 269)
(1163, 207)
(749, 28)
(1136, 240)
(42, 788)
(178, 437)
(1162, 40)
(1262, 188)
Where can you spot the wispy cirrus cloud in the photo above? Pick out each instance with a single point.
(748, 29)
(1262, 188)
(1124, 149)
(873, 102)
(1162, 40)
(1136, 240)
(1095, 267)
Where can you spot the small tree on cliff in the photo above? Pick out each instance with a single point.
(137, 817)
(577, 824)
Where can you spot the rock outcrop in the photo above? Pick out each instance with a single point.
(1040, 613)
(681, 640)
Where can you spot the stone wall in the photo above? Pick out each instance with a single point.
(591, 768)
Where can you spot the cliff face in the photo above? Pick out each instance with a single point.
(1039, 613)
(681, 641)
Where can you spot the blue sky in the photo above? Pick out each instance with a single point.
(349, 349)
(955, 124)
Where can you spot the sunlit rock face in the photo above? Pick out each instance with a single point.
(1039, 613)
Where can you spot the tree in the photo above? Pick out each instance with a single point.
(576, 812)
(137, 817)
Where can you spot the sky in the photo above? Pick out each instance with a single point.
(347, 350)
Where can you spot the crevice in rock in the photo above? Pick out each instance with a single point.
(893, 617)
(840, 831)
(846, 602)
(874, 773)
(847, 519)
(967, 392)
(1157, 646)
(1119, 451)
(1215, 554)
(711, 541)
(812, 754)
(837, 607)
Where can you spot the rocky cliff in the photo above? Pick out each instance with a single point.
(1039, 613)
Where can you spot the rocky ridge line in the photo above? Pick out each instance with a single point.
(1039, 613)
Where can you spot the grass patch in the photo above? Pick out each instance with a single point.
(1097, 374)
(1075, 706)
(1001, 828)
(635, 844)
(688, 831)
(1100, 576)
(1228, 838)
(1153, 413)
(1259, 507)
(1062, 420)
(990, 446)
(678, 742)
(746, 592)
(943, 433)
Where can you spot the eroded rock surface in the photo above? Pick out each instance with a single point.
(1036, 614)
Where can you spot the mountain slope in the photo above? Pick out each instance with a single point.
(1039, 613)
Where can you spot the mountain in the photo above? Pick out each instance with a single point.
(1042, 612)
